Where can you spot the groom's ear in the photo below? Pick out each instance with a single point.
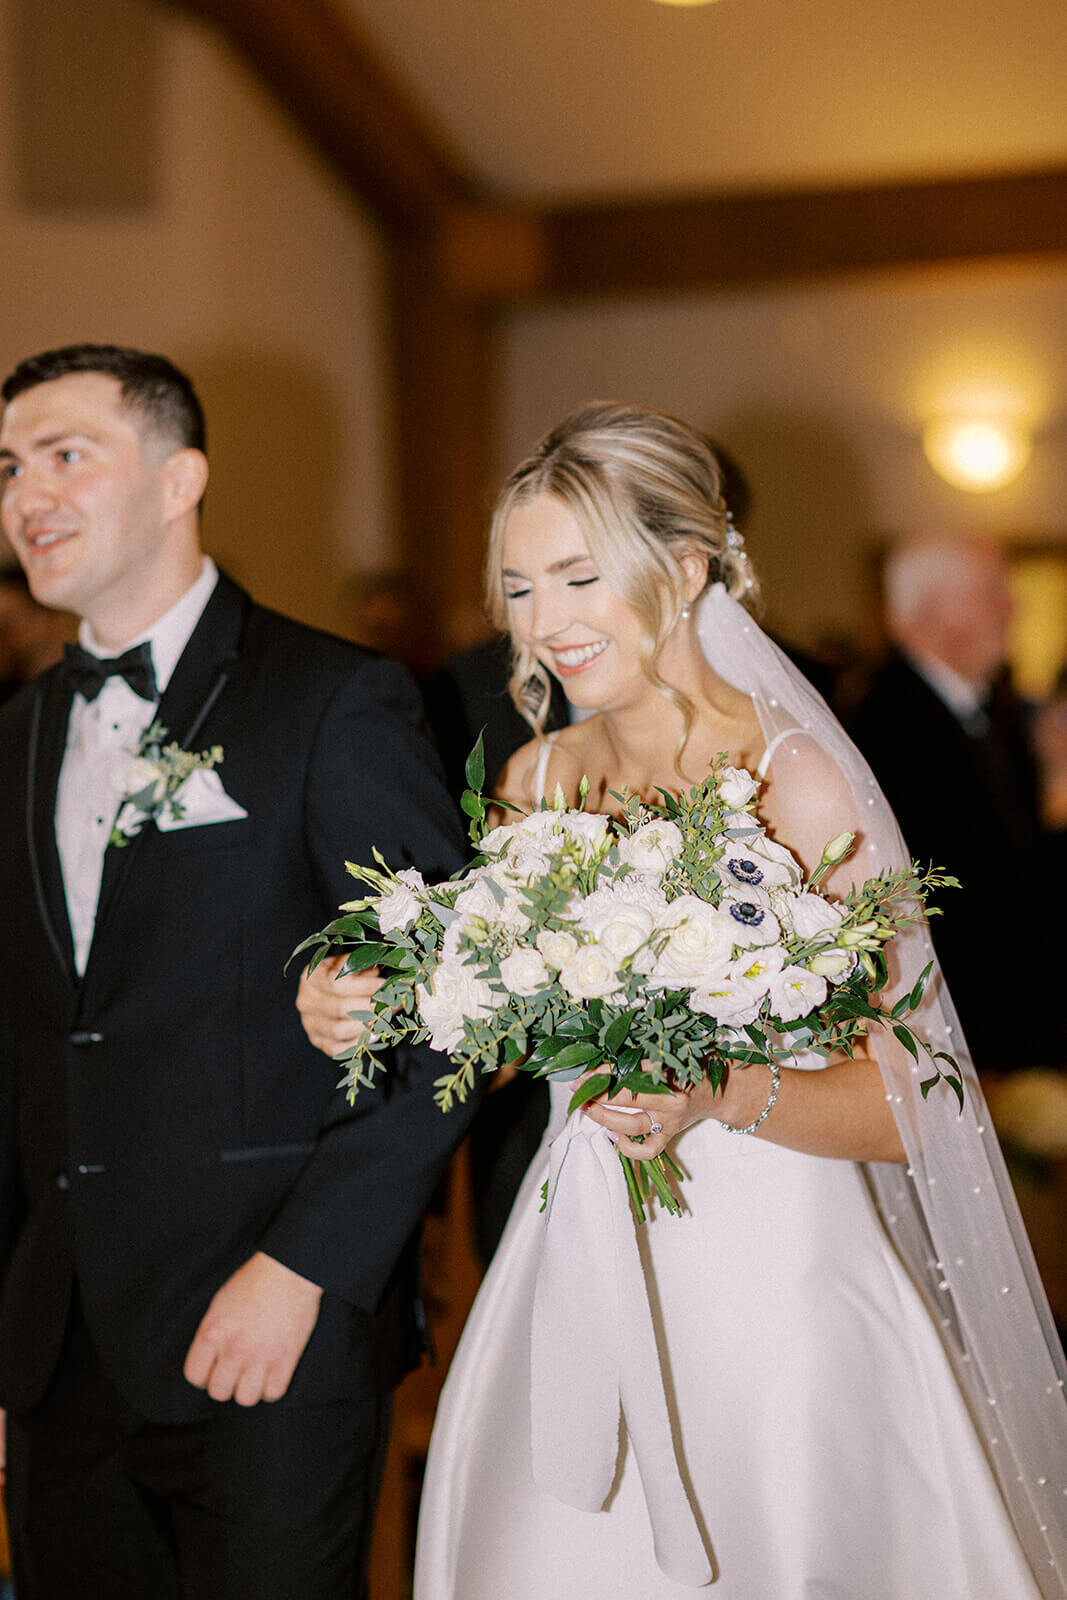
(184, 481)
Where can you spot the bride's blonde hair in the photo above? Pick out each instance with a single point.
(645, 489)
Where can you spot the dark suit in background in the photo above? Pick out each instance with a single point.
(965, 793)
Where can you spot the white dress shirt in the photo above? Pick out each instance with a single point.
(962, 697)
(102, 738)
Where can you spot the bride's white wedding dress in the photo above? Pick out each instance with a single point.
(825, 1443)
(790, 1401)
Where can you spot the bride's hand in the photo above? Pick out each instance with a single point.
(737, 1103)
(324, 1001)
(627, 1115)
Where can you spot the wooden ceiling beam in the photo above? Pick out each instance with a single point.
(329, 78)
(686, 244)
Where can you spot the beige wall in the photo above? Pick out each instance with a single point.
(255, 271)
(820, 390)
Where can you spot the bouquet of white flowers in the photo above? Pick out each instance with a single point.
(635, 954)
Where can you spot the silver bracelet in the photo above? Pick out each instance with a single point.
(776, 1078)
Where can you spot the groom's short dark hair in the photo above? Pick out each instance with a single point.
(150, 385)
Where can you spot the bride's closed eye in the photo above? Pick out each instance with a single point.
(582, 583)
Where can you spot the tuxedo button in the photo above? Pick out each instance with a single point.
(85, 1036)
(61, 1181)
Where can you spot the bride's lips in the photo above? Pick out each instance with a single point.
(577, 657)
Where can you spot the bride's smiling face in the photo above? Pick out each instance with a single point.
(562, 609)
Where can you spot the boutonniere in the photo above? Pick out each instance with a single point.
(152, 782)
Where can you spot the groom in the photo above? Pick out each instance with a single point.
(207, 1257)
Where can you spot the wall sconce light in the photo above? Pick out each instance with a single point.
(977, 453)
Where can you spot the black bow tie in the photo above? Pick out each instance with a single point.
(88, 673)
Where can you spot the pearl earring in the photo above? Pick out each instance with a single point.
(686, 613)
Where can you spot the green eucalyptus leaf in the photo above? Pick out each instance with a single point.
(915, 998)
(474, 767)
(616, 1032)
(588, 1090)
(908, 1041)
(363, 956)
(576, 1055)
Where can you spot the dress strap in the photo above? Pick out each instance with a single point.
(541, 772)
(765, 758)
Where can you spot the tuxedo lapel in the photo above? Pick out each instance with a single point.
(47, 743)
(197, 682)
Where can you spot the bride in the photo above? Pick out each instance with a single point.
(836, 1375)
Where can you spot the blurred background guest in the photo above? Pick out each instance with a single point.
(31, 636)
(949, 740)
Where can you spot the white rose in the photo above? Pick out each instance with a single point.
(452, 996)
(620, 924)
(499, 839)
(795, 991)
(524, 971)
(590, 973)
(477, 899)
(653, 847)
(400, 907)
(494, 902)
(811, 915)
(524, 864)
(556, 947)
(699, 943)
(588, 826)
(540, 825)
(732, 1000)
(737, 787)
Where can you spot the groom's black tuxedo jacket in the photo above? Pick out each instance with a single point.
(164, 1117)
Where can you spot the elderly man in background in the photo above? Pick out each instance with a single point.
(948, 740)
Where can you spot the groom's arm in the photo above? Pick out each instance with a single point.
(374, 781)
(253, 1333)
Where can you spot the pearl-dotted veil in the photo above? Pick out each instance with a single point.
(951, 1212)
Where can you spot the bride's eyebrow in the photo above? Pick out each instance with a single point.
(557, 566)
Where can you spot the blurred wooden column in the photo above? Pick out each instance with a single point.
(443, 252)
(447, 284)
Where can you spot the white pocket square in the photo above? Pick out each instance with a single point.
(202, 800)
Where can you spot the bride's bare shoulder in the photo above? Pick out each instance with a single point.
(520, 783)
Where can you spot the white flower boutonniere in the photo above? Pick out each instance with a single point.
(152, 782)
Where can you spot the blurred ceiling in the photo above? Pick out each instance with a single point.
(562, 100)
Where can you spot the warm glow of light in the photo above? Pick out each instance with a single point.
(684, 2)
(977, 453)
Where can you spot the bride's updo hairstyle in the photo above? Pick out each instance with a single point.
(645, 489)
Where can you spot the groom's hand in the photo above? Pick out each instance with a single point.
(253, 1333)
(324, 1002)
